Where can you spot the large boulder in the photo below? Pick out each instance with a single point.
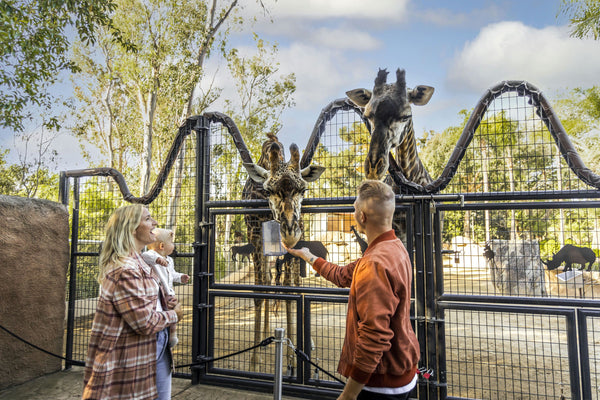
(515, 268)
(34, 258)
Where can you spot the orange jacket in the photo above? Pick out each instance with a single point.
(380, 348)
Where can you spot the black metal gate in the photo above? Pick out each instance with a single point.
(492, 322)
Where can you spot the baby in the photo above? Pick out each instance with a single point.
(158, 258)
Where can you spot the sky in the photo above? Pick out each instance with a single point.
(461, 48)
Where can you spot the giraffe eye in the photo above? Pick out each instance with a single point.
(405, 118)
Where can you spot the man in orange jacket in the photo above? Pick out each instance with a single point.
(380, 352)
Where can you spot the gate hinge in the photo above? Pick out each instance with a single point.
(203, 306)
(203, 224)
(204, 274)
(199, 244)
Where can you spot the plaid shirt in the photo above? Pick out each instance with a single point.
(121, 359)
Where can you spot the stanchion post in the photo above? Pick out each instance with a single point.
(278, 375)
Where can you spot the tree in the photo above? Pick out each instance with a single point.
(584, 16)
(156, 84)
(34, 50)
(262, 95)
(580, 115)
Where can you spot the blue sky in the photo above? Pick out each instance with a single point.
(459, 47)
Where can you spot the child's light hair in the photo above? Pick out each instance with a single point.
(120, 241)
(162, 236)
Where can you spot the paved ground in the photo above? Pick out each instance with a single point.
(68, 385)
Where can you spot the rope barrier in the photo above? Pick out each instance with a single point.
(265, 342)
(424, 372)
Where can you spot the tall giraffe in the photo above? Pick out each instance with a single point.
(283, 185)
(388, 110)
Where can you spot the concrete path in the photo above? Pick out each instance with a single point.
(68, 385)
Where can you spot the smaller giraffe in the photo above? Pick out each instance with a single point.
(387, 108)
(283, 185)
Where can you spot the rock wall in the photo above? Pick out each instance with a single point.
(34, 258)
(516, 269)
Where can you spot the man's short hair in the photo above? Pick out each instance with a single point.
(375, 190)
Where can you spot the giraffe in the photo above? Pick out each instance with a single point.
(283, 185)
(388, 110)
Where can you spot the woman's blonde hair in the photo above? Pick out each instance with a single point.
(119, 242)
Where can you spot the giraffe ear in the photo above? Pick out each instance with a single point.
(360, 97)
(312, 172)
(420, 95)
(257, 173)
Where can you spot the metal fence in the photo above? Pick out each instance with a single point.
(492, 320)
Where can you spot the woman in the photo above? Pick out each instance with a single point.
(128, 356)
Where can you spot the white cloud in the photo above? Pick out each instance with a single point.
(548, 58)
(344, 39)
(324, 9)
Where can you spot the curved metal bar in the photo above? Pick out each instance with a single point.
(543, 110)
(185, 129)
(234, 131)
(327, 113)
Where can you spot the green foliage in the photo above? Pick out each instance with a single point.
(584, 16)
(34, 50)
(579, 112)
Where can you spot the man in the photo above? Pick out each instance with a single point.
(380, 352)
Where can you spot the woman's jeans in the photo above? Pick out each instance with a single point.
(163, 366)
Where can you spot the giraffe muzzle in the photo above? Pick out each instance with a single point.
(376, 171)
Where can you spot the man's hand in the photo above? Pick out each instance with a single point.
(162, 261)
(304, 253)
(351, 390)
(185, 278)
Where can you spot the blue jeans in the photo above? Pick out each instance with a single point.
(163, 365)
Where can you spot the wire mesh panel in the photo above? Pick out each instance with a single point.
(512, 150)
(324, 342)
(343, 146)
(517, 251)
(234, 329)
(591, 354)
(328, 235)
(508, 354)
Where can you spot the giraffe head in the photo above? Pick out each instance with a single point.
(388, 110)
(284, 184)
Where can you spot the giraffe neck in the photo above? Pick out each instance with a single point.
(408, 159)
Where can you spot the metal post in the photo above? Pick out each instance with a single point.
(278, 376)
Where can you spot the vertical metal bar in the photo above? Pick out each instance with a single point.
(200, 293)
(574, 362)
(306, 324)
(63, 189)
(72, 276)
(278, 374)
(584, 355)
(420, 311)
(430, 321)
(440, 343)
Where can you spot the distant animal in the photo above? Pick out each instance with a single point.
(569, 255)
(244, 251)
(488, 253)
(315, 247)
(361, 242)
